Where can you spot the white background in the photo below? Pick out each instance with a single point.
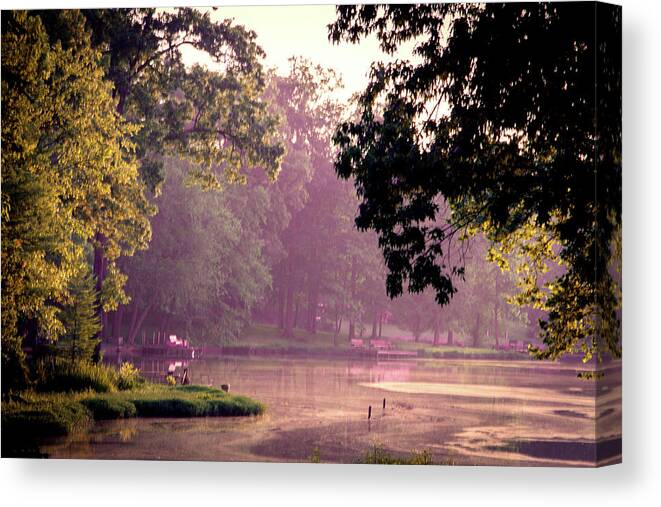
(635, 482)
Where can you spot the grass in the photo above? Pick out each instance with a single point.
(93, 392)
(189, 401)
(264, 337)
(378, 455)
(27, 421)
(109, 408)
(452, 351)
(79, 376)
(64, 376)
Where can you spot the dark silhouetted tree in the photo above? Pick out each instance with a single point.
(511, 112)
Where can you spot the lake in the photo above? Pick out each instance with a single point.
(463, 411)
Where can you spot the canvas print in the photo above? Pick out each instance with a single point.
(361, 234)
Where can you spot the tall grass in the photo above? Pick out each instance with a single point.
(80, 376)
(77, 377)
(378, 455)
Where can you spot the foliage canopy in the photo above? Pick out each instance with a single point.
(68, 171)
(511, 113)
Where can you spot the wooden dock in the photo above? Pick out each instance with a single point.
(395, 354)
(170, 352)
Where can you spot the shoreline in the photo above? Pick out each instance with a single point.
(33, 418)
(339, 353)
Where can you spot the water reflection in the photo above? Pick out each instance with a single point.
(470, 412)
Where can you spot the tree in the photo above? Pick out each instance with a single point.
(215, 119)
(480, 306)
(205, 268)
(499, 114)
(415, 313)
(68, 171)
(305, 188)
(80, 319)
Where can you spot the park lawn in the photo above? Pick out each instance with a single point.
(265, 337)
(426, 349)
(270, 337)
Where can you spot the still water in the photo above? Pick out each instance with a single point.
(462, 411)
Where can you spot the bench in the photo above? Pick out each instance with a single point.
(380, 344)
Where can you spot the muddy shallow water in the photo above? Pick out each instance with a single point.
(463, 411)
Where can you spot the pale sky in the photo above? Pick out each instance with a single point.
(282, 31)
(301, 30)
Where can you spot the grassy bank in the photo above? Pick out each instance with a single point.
(35, 416)
(454, 352)
(261, 338)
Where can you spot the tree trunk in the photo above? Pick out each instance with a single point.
(100, 267)
(308, 310)
(117, 324)
(476, 331)
(354, 277)
(141, 319)
(375, 323)
(105, 328)
(416, 331)
(134, 318)
(380, 323)
(496, 326)
(450, 337)
(281, 308)
(338, 328)
(296, 308)
(165, 321)
(288, 328)
(313, 301)
(437, 333)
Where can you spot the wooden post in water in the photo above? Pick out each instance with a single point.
(369, 412)
(384, 403)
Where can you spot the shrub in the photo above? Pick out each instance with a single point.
(109, 408)
(129, 377)
(24, 423)
(79, 376)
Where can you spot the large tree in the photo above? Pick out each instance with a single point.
(68, 171)
(511, 112)
(304, 100)
(214, 118)
(204, 269)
